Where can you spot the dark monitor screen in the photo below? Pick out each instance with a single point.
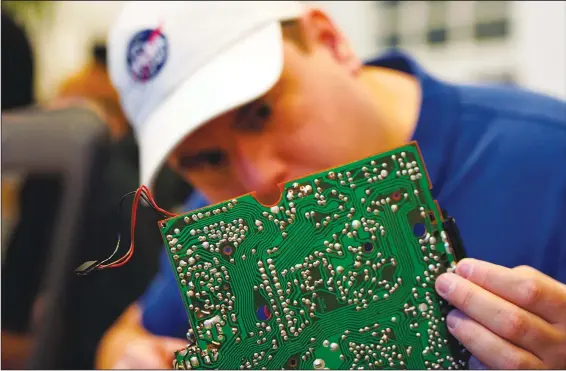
(59, 151)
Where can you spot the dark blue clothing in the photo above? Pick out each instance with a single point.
(163, 310)
(496, 157)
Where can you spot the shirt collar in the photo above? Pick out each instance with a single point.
(436, 124)
(439, 111)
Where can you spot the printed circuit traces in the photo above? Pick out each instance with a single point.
(338, 275)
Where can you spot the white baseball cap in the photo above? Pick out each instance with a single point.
(179, 64)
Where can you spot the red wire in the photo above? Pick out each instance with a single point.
(154, 204)
(126, 258)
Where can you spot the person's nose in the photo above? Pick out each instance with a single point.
(260, 169)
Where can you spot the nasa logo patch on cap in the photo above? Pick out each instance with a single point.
(147, 54)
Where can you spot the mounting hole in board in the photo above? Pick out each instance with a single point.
(419, 230)
(293, 363)
(263, 313)
(396, 196)
(227, 250)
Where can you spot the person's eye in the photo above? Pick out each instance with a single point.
(204, 159)
(263, 111)
(256, 119)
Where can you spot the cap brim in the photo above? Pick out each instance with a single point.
(238, 75)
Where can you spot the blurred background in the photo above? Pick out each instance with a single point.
(510, 41)
(54, 54)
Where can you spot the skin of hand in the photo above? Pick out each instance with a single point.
(128, 345)
(508, 318)
(151, 352)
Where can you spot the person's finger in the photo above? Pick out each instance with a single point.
(475, 364)
(503, 318)
(145, 361)
(490, 350)
(122, 365)
(146, 355)
(168, 346)
(524, 286)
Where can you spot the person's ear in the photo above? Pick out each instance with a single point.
(319, 31)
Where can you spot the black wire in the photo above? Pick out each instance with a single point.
(146, 199)
(90, 266)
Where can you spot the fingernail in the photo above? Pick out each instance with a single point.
(453, 319)
(464, 269)
(444, 284)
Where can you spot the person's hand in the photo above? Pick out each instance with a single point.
(507, 318)
(151, 352)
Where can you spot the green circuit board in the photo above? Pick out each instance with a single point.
(339, 274)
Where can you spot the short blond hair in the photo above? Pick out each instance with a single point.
(292, 31)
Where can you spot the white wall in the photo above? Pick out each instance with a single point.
(63, 42)
(535, 52)
(541, 45)
(460, 59)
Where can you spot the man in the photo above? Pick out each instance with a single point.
(240, 96)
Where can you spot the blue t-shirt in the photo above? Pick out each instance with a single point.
(496, 157)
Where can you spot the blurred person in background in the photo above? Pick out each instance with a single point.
(112, 293)
(240, 96)
(22, 291)
(18, 69)
(92, 84)
(19, 285)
